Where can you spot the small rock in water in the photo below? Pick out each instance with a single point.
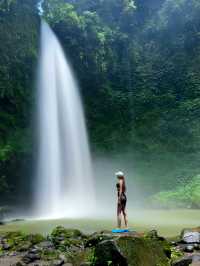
(46, 244)
(196, 258)
(19, 263)
(189, 248)
(57, 263)
(6, 246)
(30, 257)
(196, 246)
(186, 261)
(191, 237)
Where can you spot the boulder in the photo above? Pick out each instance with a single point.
(185, 261)
(107, 252)
(191, 237)
(196, 258)
(143, 251)
(57, 262)
(30, 257)
(189, 248)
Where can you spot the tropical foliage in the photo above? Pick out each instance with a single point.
(137, 63)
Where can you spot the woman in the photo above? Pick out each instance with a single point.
(121, 199)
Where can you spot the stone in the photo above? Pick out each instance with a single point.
(57, 263)
(196, 246)
(191, 237)
(46, 244)
(62, 257)
(107, 251)
(6, 246)
(196, 258)
(30, 257)
(95, 238)
(185, 261)
(19, 263)
(189, 248)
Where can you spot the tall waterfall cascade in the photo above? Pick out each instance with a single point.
(64, 182)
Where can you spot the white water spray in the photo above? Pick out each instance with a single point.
(64, 186)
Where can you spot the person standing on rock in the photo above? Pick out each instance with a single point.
(121, 199)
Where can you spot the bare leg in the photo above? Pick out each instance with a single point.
(119, 218)
(125, 218)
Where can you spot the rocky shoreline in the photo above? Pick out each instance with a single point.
(70, 247)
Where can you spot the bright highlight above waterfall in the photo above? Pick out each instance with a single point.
(64, 186)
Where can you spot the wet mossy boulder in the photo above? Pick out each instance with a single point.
(19, 241)
(97, 237)
(61, 233)
(64, 238)
(131, 251)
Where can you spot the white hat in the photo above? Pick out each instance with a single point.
(119, 173)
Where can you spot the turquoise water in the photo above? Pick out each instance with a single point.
(167, 222)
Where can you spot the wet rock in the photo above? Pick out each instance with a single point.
(34, 250)
(186, 261)
(189, 248)
(196, 258)
(46, 244)
(196, 246)
(57, 263)
(191, 237)
(107, 251)
(61, 233)
(30, 257)
(19, 263)
(14, 253)
(23, 247)
(96, 238)
(6, 246)
(62, 257)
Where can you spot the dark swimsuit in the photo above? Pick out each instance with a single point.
(122, 200)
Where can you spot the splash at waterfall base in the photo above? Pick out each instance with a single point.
(64, 181)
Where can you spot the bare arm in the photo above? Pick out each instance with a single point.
(120, 188)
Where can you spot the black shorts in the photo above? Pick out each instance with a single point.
(122, 203)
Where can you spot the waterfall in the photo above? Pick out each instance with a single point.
(64, 182)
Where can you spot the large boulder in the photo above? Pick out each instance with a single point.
(131, 251)
(190, 235)
(185, 261)
(107, 252)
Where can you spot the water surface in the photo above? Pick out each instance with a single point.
(167, 222)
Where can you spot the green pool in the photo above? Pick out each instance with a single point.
(167, 222)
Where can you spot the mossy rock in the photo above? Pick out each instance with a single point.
(96, 238)
(19, 241)
(143, 251)
(49, 254)
(61, 231)
(82, 257)
(131, 251)
(35, 238)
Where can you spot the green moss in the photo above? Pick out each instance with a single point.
(67, 233)
(86, 255)
(176, 254)
(35, 239)
(19, 241)
(143, 251)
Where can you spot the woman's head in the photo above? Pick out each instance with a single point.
(120, 175)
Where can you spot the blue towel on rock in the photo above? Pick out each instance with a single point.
(120, 231)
